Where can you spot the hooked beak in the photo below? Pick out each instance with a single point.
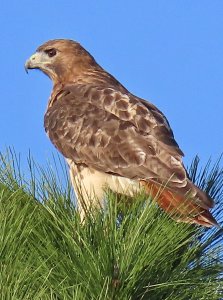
(36, 61)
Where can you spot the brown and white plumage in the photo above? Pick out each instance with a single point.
(111, 137)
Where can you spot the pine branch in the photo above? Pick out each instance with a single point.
(124, 252)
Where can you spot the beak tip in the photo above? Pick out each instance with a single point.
(34, 62)
(27, 66)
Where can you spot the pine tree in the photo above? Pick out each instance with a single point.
(123, 252)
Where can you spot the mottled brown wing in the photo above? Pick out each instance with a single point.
(115, 133)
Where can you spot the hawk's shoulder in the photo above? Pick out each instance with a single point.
(112, 131)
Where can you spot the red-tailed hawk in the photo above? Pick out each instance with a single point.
(112, 138)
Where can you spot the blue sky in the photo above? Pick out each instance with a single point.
(168, 52)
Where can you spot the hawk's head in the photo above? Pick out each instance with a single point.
(61, 60)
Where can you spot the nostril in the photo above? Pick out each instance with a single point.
(33, 58)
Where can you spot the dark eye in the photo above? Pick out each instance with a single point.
(51, 52)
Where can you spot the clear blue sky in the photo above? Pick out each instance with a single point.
(168, 52)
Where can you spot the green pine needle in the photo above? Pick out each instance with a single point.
(124, 252)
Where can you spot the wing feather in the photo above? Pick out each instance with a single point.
(115, 133)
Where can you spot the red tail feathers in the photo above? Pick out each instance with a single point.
(183, 208)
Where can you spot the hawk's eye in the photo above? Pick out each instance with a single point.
(51, 52)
